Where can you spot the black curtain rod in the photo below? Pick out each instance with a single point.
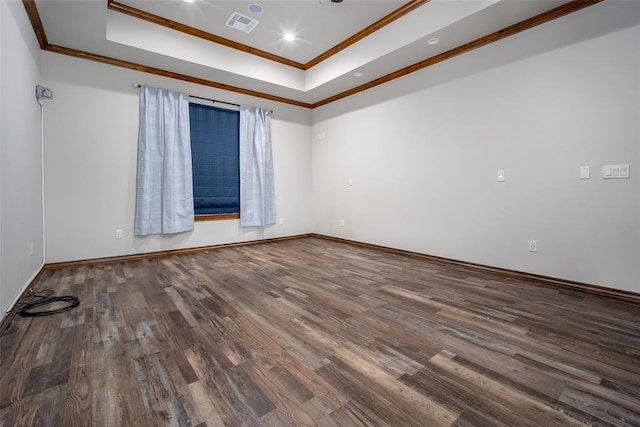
(204, 99)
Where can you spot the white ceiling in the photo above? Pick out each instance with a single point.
(88, 25)
(318, 25)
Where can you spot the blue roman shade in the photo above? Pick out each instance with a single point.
(214, 152)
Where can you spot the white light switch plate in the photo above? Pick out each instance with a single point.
(615, 171)
(585, 172)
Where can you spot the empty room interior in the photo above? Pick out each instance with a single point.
(429, 213)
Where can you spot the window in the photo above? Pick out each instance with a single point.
(215, 159)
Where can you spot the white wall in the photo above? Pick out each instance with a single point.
(20, 184)
(91, 130)
(423, 152)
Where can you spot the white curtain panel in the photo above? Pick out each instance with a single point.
(257, 189)
(164, 198)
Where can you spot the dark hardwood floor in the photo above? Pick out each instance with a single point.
(312, 332)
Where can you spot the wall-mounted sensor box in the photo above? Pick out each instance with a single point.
(43, 92)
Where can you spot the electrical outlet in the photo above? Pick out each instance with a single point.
(281, 221)
(533, 246)
(118, 234)
(342, 223)
(32, 248)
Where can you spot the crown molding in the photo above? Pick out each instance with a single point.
(177, 26)
(558, 12)
(550, 15)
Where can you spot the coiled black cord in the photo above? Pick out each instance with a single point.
(37, 299)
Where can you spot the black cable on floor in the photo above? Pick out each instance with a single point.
(38, 299)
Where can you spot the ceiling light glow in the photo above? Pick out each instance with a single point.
(434, 40)
(358, 74)
(188, 1)
(289, 37)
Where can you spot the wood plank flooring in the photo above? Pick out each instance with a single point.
(311, 332)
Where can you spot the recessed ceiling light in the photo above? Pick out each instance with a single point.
(434, 40)
(289, 37)
(254, 7)
(358, 74)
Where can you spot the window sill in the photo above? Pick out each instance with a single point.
(216, 217)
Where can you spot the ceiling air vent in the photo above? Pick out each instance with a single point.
(242, 22)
